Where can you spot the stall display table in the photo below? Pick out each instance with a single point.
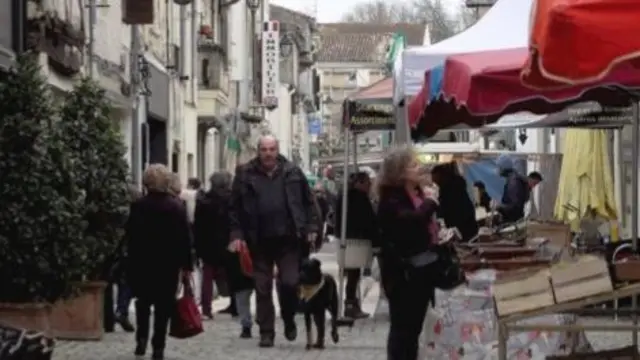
(19, 344)
(462, 326)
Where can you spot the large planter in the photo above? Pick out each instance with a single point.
(80, 317)
(30, 316)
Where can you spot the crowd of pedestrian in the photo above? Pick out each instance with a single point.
(268, 212)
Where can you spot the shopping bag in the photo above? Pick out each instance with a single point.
(186, 321)
(448, 272)
(246, 264)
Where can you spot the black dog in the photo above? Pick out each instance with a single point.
(318, 293)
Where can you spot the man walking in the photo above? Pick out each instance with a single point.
(273, 212)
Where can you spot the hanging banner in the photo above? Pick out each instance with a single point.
(270, 63)
(365, 117)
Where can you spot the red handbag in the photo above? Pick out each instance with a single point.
(246, 264)
(186, 321)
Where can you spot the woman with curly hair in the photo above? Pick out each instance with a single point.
(158, 240)
(407, 257)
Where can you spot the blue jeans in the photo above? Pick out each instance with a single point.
(124, 300)
(243, 305)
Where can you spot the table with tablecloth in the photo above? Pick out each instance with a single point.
(462, 326)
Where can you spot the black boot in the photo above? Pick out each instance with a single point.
(266, 340)
(158, 354)
(141, 347)
(246, 333)
(124, 323)
(352, 310)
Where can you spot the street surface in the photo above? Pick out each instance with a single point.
(366, 340)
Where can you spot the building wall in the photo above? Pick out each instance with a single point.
(280, 121)
(338, 81)
(6, 34)
(110, 62)
(190, 144)
(185, 22)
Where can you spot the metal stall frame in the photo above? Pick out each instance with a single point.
(350, 139)
(507, 324)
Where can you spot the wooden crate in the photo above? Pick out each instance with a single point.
(473, 263)
(586, 277)
(523, 295)
(558, 234)
(615, 354)
(496, 252)
(627, 270)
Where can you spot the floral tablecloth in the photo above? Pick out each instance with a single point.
(462, 326)
(18, 344)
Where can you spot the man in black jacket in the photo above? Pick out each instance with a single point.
(274, 213)
(515, 194)
(361, 224)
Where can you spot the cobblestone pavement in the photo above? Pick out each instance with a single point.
(366, 340)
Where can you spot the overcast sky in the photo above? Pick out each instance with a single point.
(334, 10)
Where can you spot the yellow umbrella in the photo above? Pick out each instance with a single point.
(585, 178)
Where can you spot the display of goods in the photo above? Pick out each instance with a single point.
(504, 252)
(470, 264)
(462, 325)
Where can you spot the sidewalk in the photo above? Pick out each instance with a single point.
(366, 340)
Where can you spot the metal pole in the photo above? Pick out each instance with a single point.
(136, 121)
(93, 14)
(343, 223)
(355, 152)
(170, 62)
(618, 166)
(20, 14)
(252, 67)
(634, 209)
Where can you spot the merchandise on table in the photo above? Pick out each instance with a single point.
(462, 326)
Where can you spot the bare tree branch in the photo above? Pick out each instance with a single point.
(466, 17)
(430, 12)
(380, 12)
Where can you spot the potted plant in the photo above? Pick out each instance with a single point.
(94, 140)
(41, 225)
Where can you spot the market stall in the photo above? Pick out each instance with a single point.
(499, 29)
(550, 66)
(558, 289)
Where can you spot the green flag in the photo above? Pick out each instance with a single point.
(394, 50)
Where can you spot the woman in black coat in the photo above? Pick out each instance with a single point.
(407, 257)
(455, 205)
(158, 241)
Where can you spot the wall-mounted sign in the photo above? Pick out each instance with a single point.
(314, 121)
(366, 117)
(270, 63)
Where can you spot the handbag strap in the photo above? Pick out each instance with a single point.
(186, 286)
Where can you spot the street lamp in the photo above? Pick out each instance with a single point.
(286, 46)
(253, 5)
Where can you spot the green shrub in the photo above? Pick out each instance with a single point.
(41, 225)
(94, 139)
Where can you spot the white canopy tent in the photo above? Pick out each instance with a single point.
(504, 26)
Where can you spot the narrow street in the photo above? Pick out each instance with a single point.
(366, 340)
